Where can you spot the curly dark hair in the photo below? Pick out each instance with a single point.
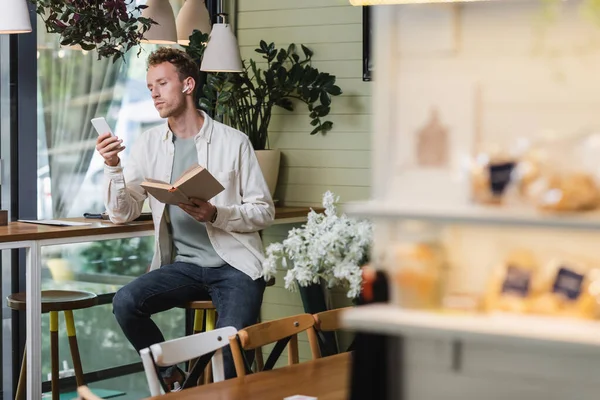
(185, 65)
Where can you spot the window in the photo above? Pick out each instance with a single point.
(74, 87)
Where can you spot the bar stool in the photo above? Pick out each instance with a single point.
(54, 301)
(206, 308)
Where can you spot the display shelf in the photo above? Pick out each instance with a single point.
(475, 215)
(393, 320)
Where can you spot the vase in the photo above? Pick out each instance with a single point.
(313, 301)
(269, 161)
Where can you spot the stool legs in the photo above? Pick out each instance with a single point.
(211, 321)
(21, 386)
(198, 327)
(54, 354)
(74, 347)
(198, 321)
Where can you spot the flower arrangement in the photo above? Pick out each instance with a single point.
(329, 246)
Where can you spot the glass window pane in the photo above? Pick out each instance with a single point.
(99, 267)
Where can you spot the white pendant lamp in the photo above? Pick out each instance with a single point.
(14, 17)
(192, 16)
(222, 53)
(387, 2)
(161, 12)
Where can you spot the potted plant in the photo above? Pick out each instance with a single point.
(110, 27)
(246, 100)
(329, 249)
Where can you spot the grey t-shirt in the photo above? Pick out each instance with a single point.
(190, 238)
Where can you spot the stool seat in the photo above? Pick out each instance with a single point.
(200, 305)
(56, 300)
(208, 304)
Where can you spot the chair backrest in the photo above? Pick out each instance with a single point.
(183, 349)
(283, 331)
(328, 321)
(86, 394)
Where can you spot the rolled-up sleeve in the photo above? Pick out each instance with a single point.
(123, 195)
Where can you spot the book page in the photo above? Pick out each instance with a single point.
(202, 185)
(187, 174)
(150, 180)
(166, 196)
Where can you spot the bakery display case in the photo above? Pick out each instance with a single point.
(486, 200)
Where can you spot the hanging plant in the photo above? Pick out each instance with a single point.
(110, 27)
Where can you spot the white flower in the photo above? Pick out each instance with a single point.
(328, 247)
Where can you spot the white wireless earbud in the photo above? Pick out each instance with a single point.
(185, 89)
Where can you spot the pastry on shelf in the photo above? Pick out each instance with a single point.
(490, 176)
(563, 192)
(569, 289)
(512, 284)
(418, 276)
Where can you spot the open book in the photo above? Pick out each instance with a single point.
(195, 182)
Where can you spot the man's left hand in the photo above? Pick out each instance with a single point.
(200, 210)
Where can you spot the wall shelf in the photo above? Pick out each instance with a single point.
(475, 215)
(491, 328)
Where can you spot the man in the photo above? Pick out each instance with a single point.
(205, 248)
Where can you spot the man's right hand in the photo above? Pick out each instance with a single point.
(109, 148)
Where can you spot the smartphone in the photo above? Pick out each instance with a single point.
(101, 126)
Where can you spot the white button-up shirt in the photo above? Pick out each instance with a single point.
(243, 208)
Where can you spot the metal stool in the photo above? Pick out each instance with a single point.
(54, 301)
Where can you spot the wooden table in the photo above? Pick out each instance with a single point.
(32, 237)
(326, 378)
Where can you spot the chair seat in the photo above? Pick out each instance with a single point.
(56, 300)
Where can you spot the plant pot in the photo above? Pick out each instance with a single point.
(269, 165)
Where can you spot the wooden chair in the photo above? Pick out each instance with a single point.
(86, 394)
(283, 332)
(329, 321)
(54, 301)
(205, 345)
(206, 309)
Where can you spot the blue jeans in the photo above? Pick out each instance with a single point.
(235, 295)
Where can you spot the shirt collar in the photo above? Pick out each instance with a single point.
(205, 132)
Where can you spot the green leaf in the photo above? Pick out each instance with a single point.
(314, 95)
(315, 131)
(281, 74)
(88, 46)
(334, 90)
(285, 103)
(291, 48)
(305, 92)
(326, 127)
(297, 72)
(325, 99)
(310, 75)
(224, 97)
(307, 52)
(314, 122)
(228, 87)
(208, 92)
(281, 55)
(263, 46)
(270, 78)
